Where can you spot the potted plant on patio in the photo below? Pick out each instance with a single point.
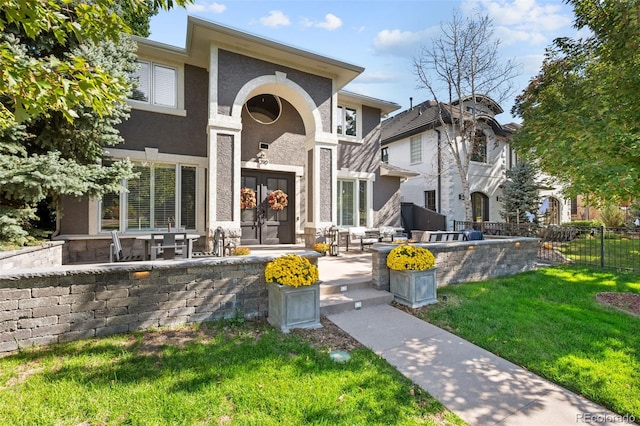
(294, 293)
(321, 248)
(412, 276)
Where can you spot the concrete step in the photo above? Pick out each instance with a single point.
(340, 286)
(335, 303)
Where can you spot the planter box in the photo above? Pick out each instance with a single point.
(414, 288)
(294, 307)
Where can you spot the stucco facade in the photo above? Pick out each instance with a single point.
(414, 140)
(198, 137)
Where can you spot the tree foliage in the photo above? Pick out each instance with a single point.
(63, 87)
(581, 113)
(520, 193)
(463, 63)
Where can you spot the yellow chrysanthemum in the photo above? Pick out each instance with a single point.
(410, 257)
(292, 270)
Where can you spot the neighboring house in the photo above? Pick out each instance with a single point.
(232, 114)
(414, 140)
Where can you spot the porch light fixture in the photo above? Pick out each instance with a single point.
(460, 196)
(262, 158)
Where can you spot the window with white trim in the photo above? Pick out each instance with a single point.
(157, 84)
(161, 193)
(347, 121)
(353, 203)
(415, 146)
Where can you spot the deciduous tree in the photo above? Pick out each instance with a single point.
(581, 113)
(464, 63)
(63, 87)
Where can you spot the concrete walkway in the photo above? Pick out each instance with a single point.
(481, 388)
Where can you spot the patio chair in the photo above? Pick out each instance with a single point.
(115, 251)
(168, 246)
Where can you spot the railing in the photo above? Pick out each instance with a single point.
(609, 248)
(499, 228)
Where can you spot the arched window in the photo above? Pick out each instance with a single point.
(479, 207)
(479, 148)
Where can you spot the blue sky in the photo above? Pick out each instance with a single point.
(382, 36)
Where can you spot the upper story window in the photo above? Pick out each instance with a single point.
(157, 84)
(348, 121)
(415, 149)
(479, 149)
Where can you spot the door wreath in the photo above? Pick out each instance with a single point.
(278, 200)
(247, 198)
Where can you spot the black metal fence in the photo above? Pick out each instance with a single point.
(611, 248)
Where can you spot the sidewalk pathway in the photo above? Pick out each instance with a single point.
(481, 388)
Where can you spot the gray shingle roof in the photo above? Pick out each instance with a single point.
(423, 117)
(411, 121)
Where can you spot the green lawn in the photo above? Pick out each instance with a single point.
(549, 322)
(220, 374)
(619, 252)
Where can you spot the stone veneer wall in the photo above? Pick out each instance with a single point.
(47, 255)
(66, 303)
(466, 261)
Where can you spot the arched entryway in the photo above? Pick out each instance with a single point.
(480, 207)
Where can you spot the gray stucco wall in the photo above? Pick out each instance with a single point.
(285, 136)
(235, 70)
(224, 191)
(365, 157)
(170, 133)
(386, 201)
(325, 185)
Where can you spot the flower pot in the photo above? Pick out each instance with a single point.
(294, 307)
(413, 288)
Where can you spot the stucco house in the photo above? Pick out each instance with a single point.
(413, 139)
(233, 115)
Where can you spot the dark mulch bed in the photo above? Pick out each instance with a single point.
(627, 302)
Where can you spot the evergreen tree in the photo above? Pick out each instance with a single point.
(520, 194)
(63, 89)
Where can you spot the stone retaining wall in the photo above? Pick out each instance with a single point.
(46, 255)
(50, 305)
(466, 261)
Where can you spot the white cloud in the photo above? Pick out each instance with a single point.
(509, 36)
(275, 19)
(375, 77)
(206, 7)
(524, 15)
(401, 43)
(330, 23)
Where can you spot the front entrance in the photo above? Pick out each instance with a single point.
(268, 221)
